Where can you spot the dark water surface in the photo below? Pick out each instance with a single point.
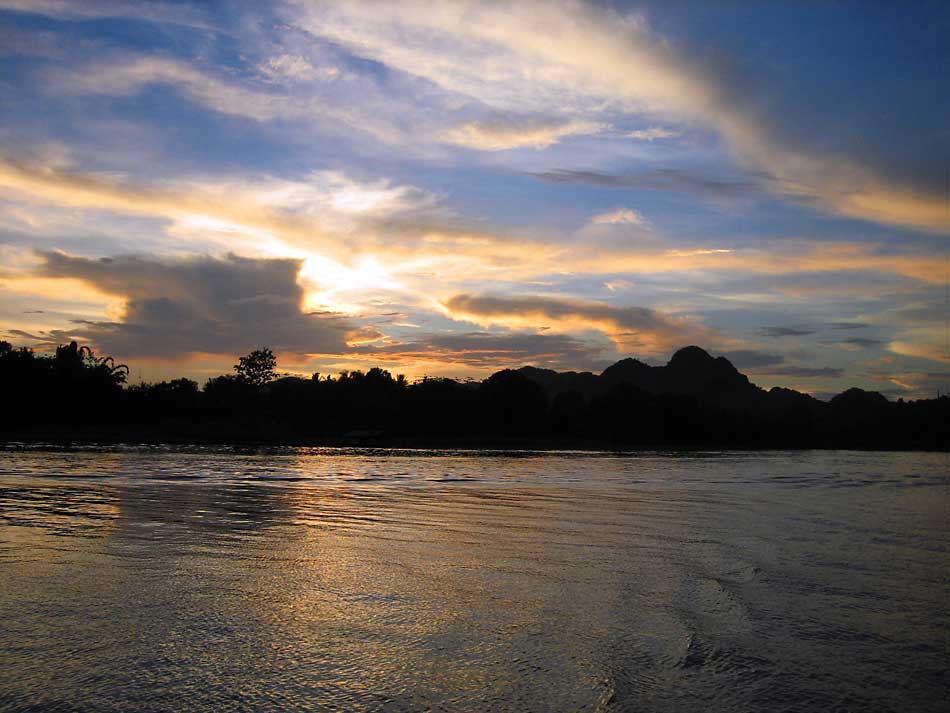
(328, 579)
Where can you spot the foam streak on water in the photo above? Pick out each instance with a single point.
(332, 579)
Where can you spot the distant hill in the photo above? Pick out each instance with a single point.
(691, 371)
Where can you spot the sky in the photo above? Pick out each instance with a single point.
(449, 189)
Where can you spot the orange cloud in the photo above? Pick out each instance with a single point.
(633, 329)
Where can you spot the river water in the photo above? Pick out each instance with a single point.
(163, 579)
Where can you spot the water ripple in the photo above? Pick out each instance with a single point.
(169, 578)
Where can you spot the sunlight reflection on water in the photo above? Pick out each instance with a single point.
(301, 579)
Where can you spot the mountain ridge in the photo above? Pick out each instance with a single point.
(690, 371)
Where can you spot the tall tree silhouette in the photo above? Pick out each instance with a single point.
(257, 368)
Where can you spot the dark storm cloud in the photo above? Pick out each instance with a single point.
(202, 304)
(664, 179)
(848, 325)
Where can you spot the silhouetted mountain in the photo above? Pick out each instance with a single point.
(779, 394)
(695, 400)
(859, 399)
(691, 371)
(559, 382)
(632, 373)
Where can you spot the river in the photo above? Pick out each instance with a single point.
(168, 579)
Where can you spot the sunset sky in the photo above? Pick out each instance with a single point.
(454, 188)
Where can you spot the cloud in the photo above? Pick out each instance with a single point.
(151, 11)
(617, 285)
(653, 133)
(315, 213)
(95, 192)
(502, 56)
(665, 179)
(621, 216)
(923, 312)
(30, 43)
(788, 331)
(179, 307)
(633, 329)
(863, 342)
(910, 382)
(330, 216)
(923, 346)
(747, 358)
(126, 76)
(490, 351)
(296, 68)
(785, 331)
(698, 251)
(922, 327)
(805, 371)
(504, 133)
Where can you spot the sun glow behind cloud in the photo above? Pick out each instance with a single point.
(333, 286)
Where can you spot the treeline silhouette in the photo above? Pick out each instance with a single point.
(693, 401)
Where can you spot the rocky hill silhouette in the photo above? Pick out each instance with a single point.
(691, 371)
(714, 385)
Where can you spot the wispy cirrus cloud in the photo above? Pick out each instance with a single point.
(503, 133)
(130, 75)
(502, 56)
(163, 12)
(296, 68)
(653, 133)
